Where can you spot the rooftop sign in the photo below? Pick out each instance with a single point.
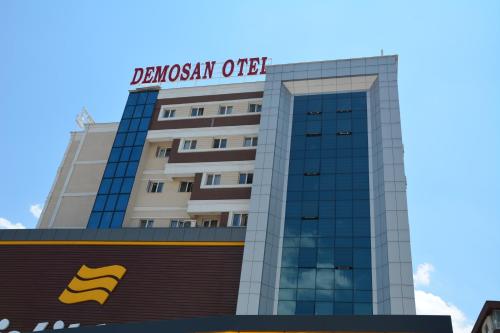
(199, 71)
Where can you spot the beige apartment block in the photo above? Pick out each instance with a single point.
(204, 172)
(72, 196)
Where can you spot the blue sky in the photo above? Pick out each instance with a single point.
(61, 55)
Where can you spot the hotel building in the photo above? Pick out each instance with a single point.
(304, 170)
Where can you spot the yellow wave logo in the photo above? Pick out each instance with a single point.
(92, 284)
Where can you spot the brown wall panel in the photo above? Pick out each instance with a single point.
(224, 216)
(161, 282)
(209, 156)
(251, 119)
(218, 193)
(210, 98)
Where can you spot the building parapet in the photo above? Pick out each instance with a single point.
(233, 234)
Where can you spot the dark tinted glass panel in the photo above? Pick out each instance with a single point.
(114, 156)
(110, 170)
(127, 185)
(105, 186)
(324, 279)
(290, 255)
(106, 219)
(148, 110)
(288, 278)
(286, 307)
(100, 201)
(362, 279)
(129, 141)
(306, 278)
(116, 185)
(117, 219)
(323, 308)
(119, 140)
(306, 294)
(343, 308)
(121, 204)
(287, 294)
(142, 98)
(94, 220)
(128, 112)
(307, 257)
(124, 125)
(131, 169)
(125, 155)
(136, 153)
(140, 139)
(343, 256)
(144, 125)
(326, 256)
(343, 296)
(304, 308)
(343, 279)
(120, 169)
(324, 295)
(111, 203)
(363, 309)
(134, 124)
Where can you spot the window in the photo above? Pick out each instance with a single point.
(254, 107)
(197, 112)
(186, 187)
(155, 187)
(308, 218)
(343, 110)
(219, 143)
(168, 113)
(246, 178)
(239, 220)
(210, 223)
(342, 133)
(225, 109)
(189, 144)
(162, 152)
(213, 180)
(180, 223)
(146, 223)
(495, 317)
(250, 142)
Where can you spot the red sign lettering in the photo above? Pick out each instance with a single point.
(189, 71)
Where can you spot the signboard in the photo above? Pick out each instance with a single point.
(56, 284)
(199, 71)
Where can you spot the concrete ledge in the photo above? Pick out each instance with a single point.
(386, 324)
(232, 234)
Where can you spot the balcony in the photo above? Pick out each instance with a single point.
(210, 156)
(183, 170)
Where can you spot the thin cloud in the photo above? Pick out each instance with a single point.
(430, 304)
(423, 275)
(6, 224)
(36, 210)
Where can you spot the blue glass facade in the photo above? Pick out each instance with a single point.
(326, 260)
(119, 175)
